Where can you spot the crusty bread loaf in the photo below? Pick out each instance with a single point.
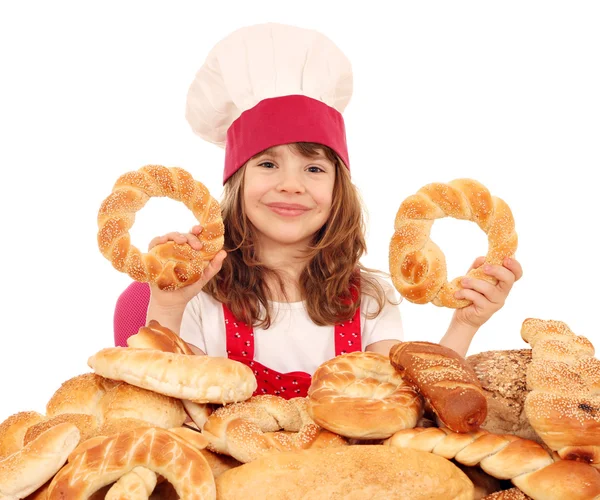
(251, 429)
(169, 265)
(418, 266)
(526, 463)
(564, 383)
(360, 395)
(502, 375)
(349, 473)
(202, 379)
(29, 468)
(446, 382)
(483, 483)
(156, 449)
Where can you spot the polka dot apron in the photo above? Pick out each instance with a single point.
(240, 347)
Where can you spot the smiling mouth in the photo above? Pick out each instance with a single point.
(287, 211)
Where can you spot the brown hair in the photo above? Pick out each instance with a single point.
(333, 268)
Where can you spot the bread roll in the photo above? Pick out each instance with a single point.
(360, 395)
(349, 473)
(446, 382)
(502, 375)
(202, 379)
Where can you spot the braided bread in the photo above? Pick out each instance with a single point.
(526, 463)
(360, 395)
(151, 448)
(169, 265)
(24, 471)
(418, 266)
(445, 380)
(264, 424)
(563, 405)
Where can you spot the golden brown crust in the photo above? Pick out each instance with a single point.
(251, 429)
(168, 265)
(526, 463)
(502, 375)
(152, 448)
(156, 336)
(201, 379)
(161, 338)
(29, 468)
(360, 395)
(351, 472)
(79, 394)
(445, 380)
(87, 425)
(13, 430)
(418, 266)
(563, 406)
(510, 494)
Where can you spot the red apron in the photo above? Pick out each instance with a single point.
(240, 347)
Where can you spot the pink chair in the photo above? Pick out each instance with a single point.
(130, 312)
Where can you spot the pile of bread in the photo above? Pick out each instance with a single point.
(154, 421)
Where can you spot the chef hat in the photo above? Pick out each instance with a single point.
(267, 85)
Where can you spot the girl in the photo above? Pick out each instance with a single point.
(288, 291)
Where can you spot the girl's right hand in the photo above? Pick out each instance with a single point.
(181, 296)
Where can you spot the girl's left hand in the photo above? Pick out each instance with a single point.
(486, 298)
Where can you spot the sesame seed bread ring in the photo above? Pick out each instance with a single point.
(169, 265)
(417, 264)
(264, 424)
(361, 395)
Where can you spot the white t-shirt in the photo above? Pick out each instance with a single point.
(292, 342)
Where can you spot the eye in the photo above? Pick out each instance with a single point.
(266, 164)
(315, 169)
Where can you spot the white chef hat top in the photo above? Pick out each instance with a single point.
(273, 83)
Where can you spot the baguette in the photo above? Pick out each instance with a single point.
(445, 380)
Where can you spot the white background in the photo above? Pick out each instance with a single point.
(507, 93)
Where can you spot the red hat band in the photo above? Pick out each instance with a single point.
(283, 120)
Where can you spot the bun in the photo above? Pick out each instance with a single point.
(446, 382)
(352, 472)
(418, 266)
(360, 395)
(526, 463)
(169, 265)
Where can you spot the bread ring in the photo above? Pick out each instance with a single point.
(360, 395)
(156, 449)
(264, 424)
(418, 266)
(169, 265)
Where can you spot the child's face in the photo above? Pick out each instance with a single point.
(287, 196)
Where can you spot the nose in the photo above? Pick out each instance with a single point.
(290, 181)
